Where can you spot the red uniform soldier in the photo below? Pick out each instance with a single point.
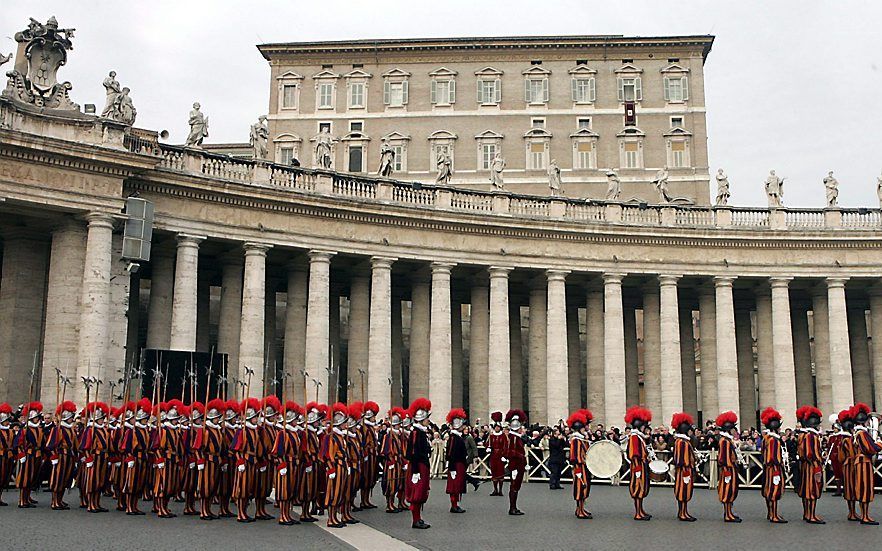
(7, 449)
(370, 451)
(392, 455)
(456, 456)
(810, 484)
(95, 446)
(135, 448)
(638, 455)
(227, 461)
(247, 448)
(773, 464)
(333, 455)
(846, 458)
(310, 443)
(515, 456)
(29, 443)
(63, 446)
(418, 452)
(208, 448)
(496, 447)
(287, 452)
(353, 461)
(684, 463)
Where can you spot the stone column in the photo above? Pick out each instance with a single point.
(840, 356)
(765, 359)
(862, 377)
(517, 356)
(671, 367)
(95, 314)
(230, 319)
(479, 351)
(594, 382)
(821, 332)
(727, 351)
(359, 328)
(499, 357)
(420, 297)
(802, 356)
(270, 361)
(782, 344)
(557, 371)
(574, 357)
(707, 346)
(318, 322)
(295, 331)
(652, 349)
(183, 323)
(614, 349)
(203, 312)
(746, 380)
(379, 375)
(159, 310)
(335, 382)
(456, 353)
(64, 292)
(397, 351)
(876, 340)
(687, 362)
(536, 381)
(252, 326)
(440, 369)
(632, 357)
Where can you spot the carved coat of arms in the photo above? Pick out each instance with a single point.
(42, 51)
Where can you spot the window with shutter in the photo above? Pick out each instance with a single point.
(592, 93)
(387, 95)
(684, 84)
(497, 85)
(638, 89)
(620, 83)
(451, 91)
(404, 93)
(326, 95)
(545, 90)
(289, 96)
(433, 92)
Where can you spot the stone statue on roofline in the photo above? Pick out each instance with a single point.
(554, 181)
(198, 127)
(323, 143)
(661, 185)
(113, 90)
(722, 189)
(496, 168)
(613, 186)
(831, 190)
(118, 106)
(387, 160)
(775, 190)
(259, 136)
(445, 168)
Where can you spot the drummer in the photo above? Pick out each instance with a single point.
(638, 455)
(578, 422)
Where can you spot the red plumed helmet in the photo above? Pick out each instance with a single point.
(66, 405)
(216, 404)
(860, 407)
(144, 404)
(94, 407)
(588, 415)
(768, 415)
(577, 417)
(512, 413)
(637, 412)
(341, 408)
(5, 408)
(680, 418)
(456, 413)
(396, 411)
(372, 407)
(419, 404)
(174, 403)
(845, 415)
(198, 406)
(184, 410)
(323, 409)
(356, 409)
(272, 401)
(35, 407)
(727, 417)
(496, 416)
(232, 405)
(291, 405)
(250, 403)
(805, 412)
(311, 406)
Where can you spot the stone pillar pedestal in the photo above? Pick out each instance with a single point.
(765, 359)
(379, 375)
(499, 357)
(862, 378)
(651, 348)
(397, 351)
(479, 351)
(782, 344)
(440, 368)
(318, 323)
(707, 328)
(614, 349)
(183, 326)
(536, 379)
(687, 362)
(557, 370)
(230, 320)
(594, 381)
(821, 332)
(420, 296)
(575, 367)
(671, 368)
(253, 325)
(456, 353)
(840, 355)
(359, 334)
(746, 384)
(727, 350)
(159, 310)
(632, 356)
(802, 355)
(517, 356)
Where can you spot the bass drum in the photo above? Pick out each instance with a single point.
(658, 470)
(604, 459)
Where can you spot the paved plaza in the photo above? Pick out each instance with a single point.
(548, 524)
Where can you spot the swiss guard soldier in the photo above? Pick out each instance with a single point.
(773, 463)
(865, 447)
(684, 463)
(638, 455)
(392, 454)
(418, 452)
(63, 447)
(287, 451)
(7, 435)
(94, 444)
(137, 466)
(308, 487)
(353, 461)
(190, 477)
(811, 463)
(456, 455)
(370, 450)
(515, 456)
(227, 462)
(727, 463)
(496, 448)
(578, 423)
(208, 447)
(404, 436)
(166, 463)
(846, 458)
(29, 444)
(246, 447)
(333, 455)
(264, 485)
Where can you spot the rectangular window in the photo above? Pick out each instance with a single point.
(326, 95)
(324, 127)
(678, 154)
(395, 93)
(355, 158)
(537, 156)
(583, 123)
(630, 89)
(356, 126)
(583, 154)
(289, 96)
(536, 90)
(443, 92)
(488, 151)
(489, 92)
(676, 122)
(356, 94)
(398, 163)
(675, 89)
(285, 155)
(631, 155)
(537, 123)
(584, 90)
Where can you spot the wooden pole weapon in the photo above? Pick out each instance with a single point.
(361, 373)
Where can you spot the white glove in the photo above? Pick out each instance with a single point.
(224, 467)
(332, 476)
(776, 480)
(241, 468)
(415, 478)
(514, 473)
(390, 467)
(191, 465)
(452, 475)
(130, 464)
(505, 460)
(262, 469)
(89, 464)
(686, 479)
(200, 467)
(578, 475)
(160, 465)
(405, 466)
(637, 474)
(54, 462)
(23, 459)
(308, 469)
(283, 472)
(727, 479)
(117, 464)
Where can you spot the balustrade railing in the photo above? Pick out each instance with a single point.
(861, 218)
(228, 168)
(410, 195)
(641, 215)
(529, 207)
(351, 186)
(694, 216)
(589, 212)
(292, 177)
(172, 158)
(804, 219)
(471, 201)
(749, 217)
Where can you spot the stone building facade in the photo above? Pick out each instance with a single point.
(591, 103)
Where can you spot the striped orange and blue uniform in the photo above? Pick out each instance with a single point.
(166, 459)
(7, 454)
(95, 444)
(581, 474)
(246, 446)
(811, 465)
(114, 458)
(308, 485)
(264, 477)
(727, 463)
(228, 463)
(29, 445)
(135, 446)
(286, 451)
(370, 450)
(63, 445)
(353, 461)
(391, 453)
(638, 456)
(188, 472)
(333, 456)
(865, 448)
(207, 446)
(684, 463)
(773, 467)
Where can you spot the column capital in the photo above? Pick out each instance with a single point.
(382, 262)
(724, 281)
(320, 255)
(499, 271)
(442, 267)
(99, 219)
(779, 282)
(556, 275)
(613, 278)
(252, 248)
(189, 240)
(668, 279)
(835, 282)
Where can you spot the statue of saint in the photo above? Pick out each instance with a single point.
(445, 168)
(259, 136)
(387, 159)
(722, 189)
(496, 168)
(124, 110)
(775, 190)
(613, 186)
(831, 189)
(554, 181)
(198, 127)
(111, 86)
(661, 185)
(323, 143)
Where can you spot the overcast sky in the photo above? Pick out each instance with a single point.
(791, 85)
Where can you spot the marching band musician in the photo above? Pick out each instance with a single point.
(773, 464)
(727, 463)
(29, 444)
(370, 450)
(515, 456)
(865, 448)
(333, 455)
(684, 463)
(7, 449)
(638, 455)
(456, 455)
(287, 452)
(418, 452)
(846, 458)
(94, 444)
(391, 452)
(811, 463)
(310, 443)
(578, 422)
(63, 446)
(135, 447)
(496, 448)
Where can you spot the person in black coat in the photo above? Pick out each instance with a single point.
(418, 452)
(556, 458)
